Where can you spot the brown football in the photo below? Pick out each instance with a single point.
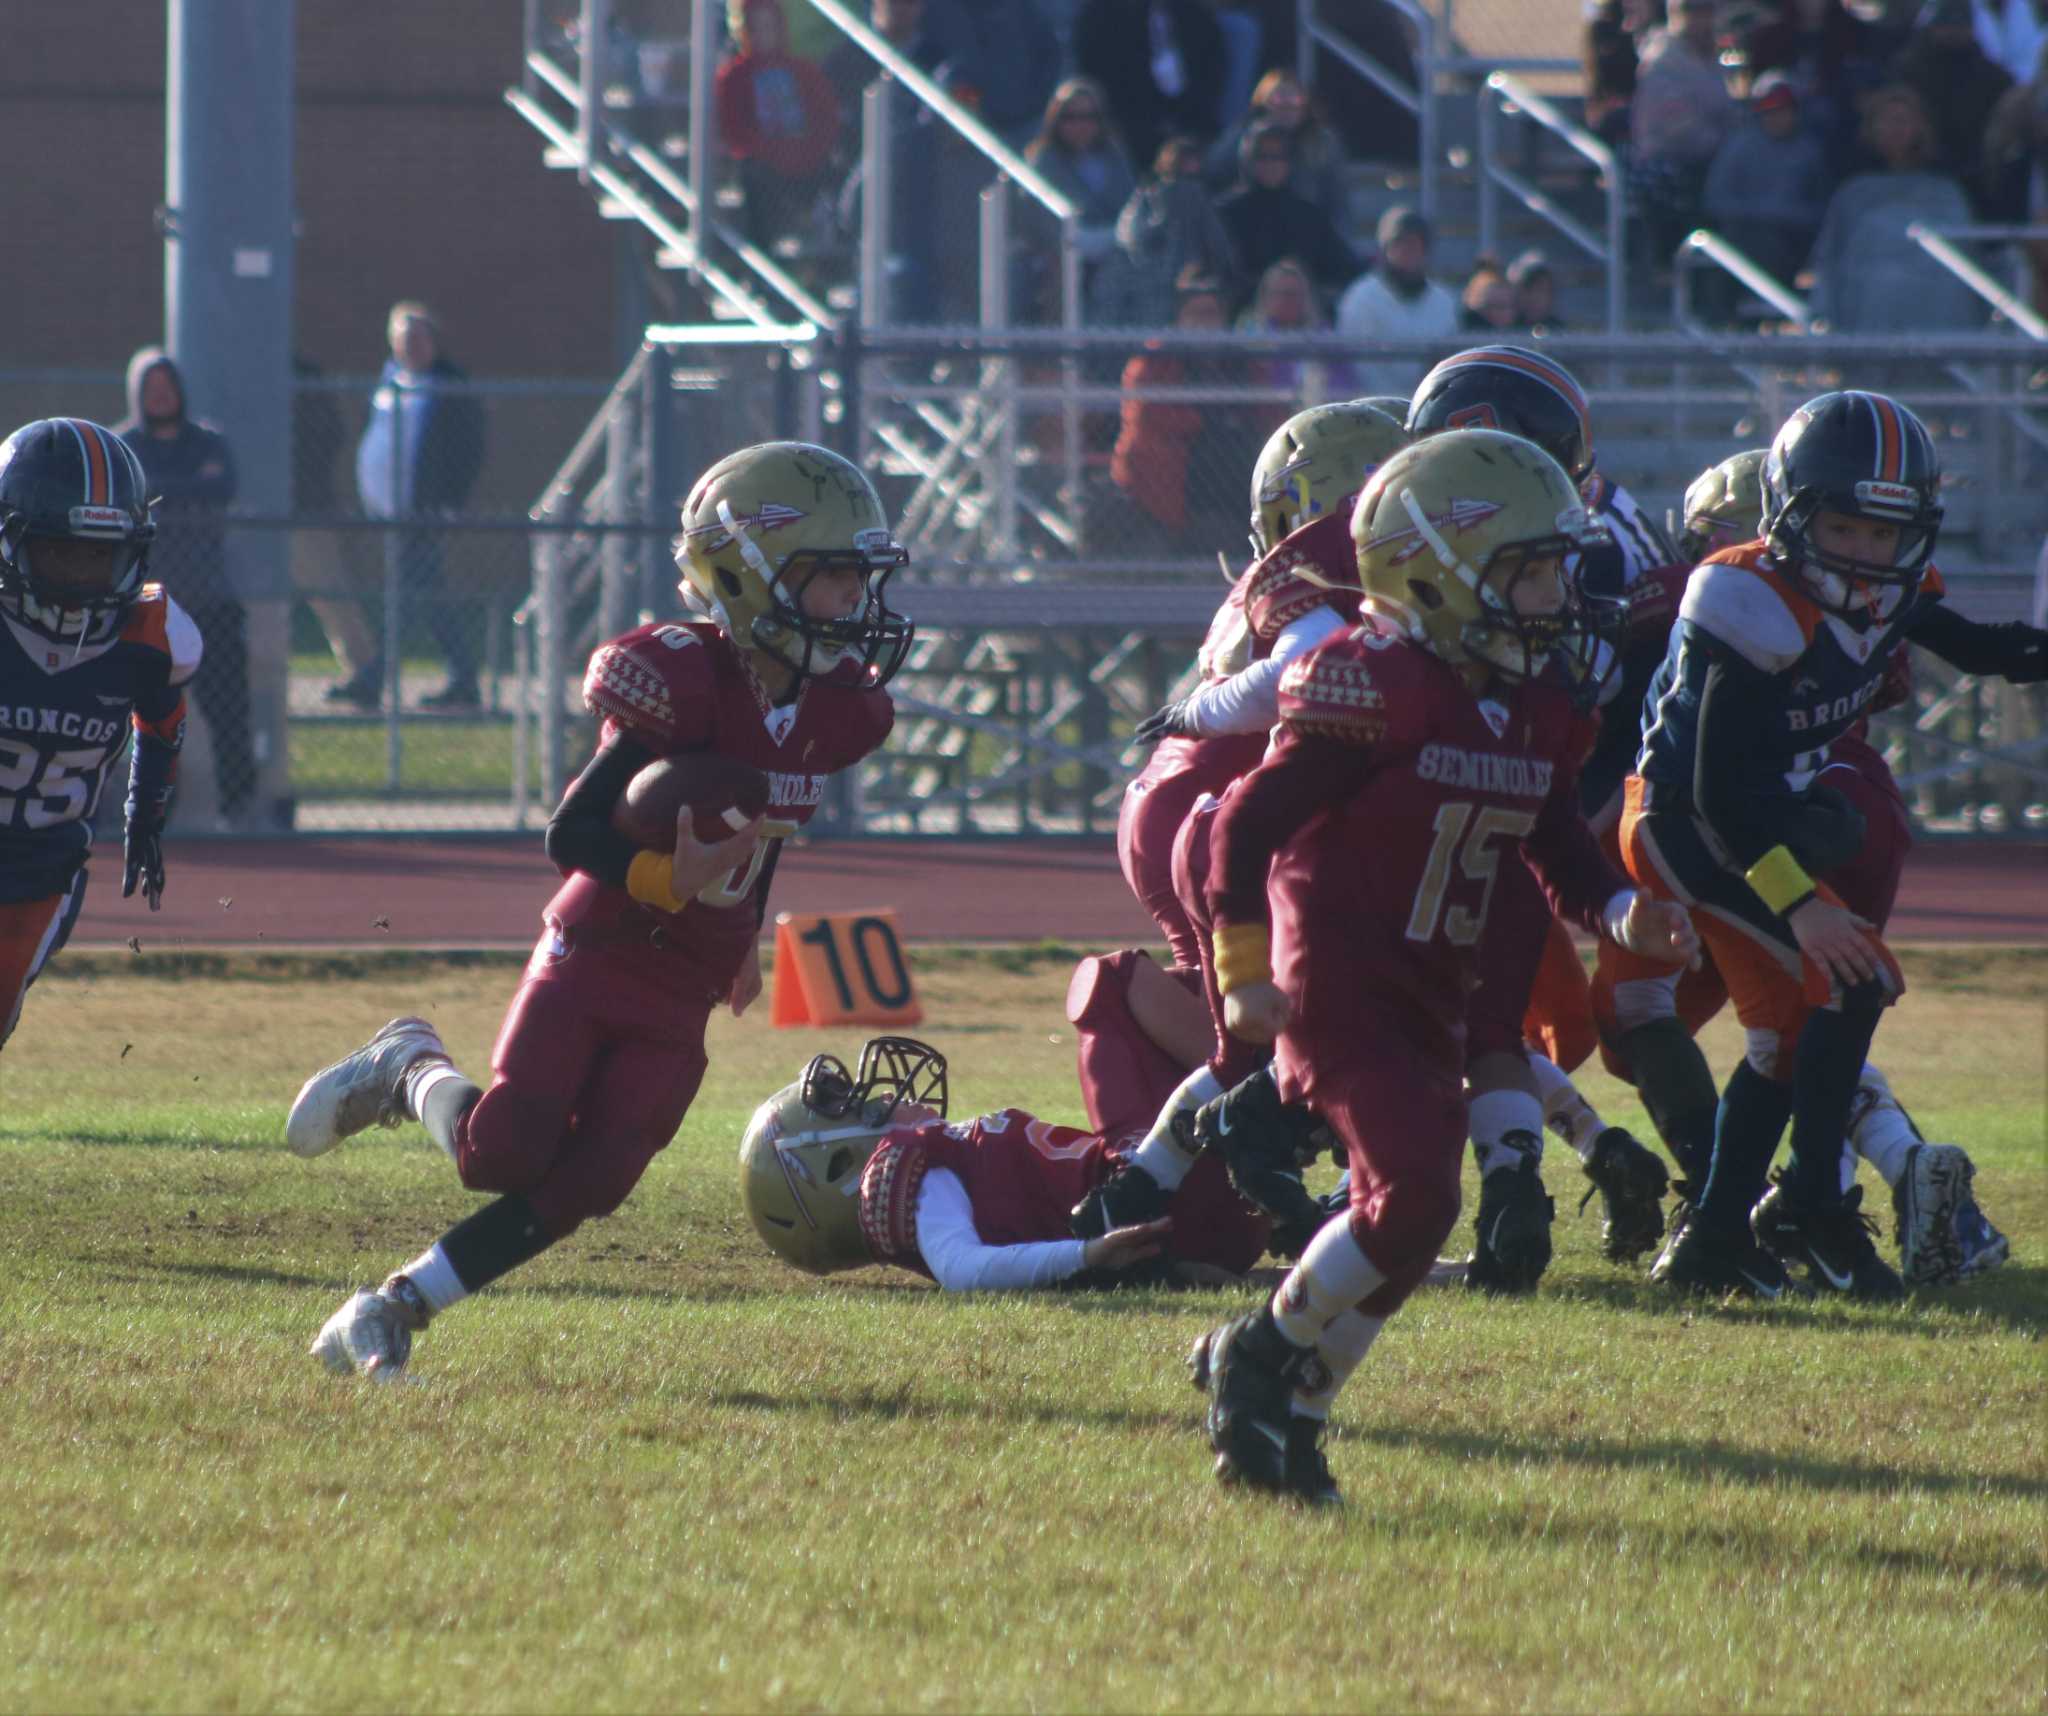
(724, 794)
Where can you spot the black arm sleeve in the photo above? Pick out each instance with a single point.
(2012, 651)
(1736, 708)
(768, 864)
(580, 835)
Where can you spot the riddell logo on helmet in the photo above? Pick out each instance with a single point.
(100, 518)
(1895, 496)
(1461, 516)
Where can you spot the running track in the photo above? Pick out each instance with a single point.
(488, 894)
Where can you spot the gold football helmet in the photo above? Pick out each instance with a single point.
(759, 523)
(1724, 505)
(1316, 462)
(803, 1153)
(1395, 405)
(1468, 544)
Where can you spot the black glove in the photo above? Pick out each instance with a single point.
(142, 850)
(2032, 667)
(1171, 722)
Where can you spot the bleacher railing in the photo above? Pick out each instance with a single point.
(1505, 94)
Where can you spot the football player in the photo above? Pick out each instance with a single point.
(842, 1171)
(88, 652)
(785, 554)
(1781, 648)
(1310, 471)
(1533, 988)
(1346, 883)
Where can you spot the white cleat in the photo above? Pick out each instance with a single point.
(371, 1335)
(1926, 1201)
(360, 1090)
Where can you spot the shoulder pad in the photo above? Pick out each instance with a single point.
(1339, 690)
(1317, 564)
(645, 680)
(1226, 647)
(889, 1185)
(158, 623)
(1750, 610)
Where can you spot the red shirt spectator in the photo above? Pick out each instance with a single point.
(774, 108)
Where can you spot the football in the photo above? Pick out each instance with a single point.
(725, 795)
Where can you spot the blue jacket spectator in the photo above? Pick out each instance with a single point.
(424, 444)
(1768, 186)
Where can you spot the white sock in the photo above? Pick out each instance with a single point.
(1160, 1155)
(420, 1078)
(1495, 1114)
(1341, 1347)
(1880, 1130)
(1334, 1274)
(1565, 1111)
(435, 1277)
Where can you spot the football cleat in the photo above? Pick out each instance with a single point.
(1129, 1196)
(360, 1090)
(1832, 1242)
(1984, 1247)
(1265, 1143)
(1700, 1258)
(371, 1335)
(1308, 1474)
(1250, 1371)
(1511, 1235)
(1924, 1205)
(1630, 1181)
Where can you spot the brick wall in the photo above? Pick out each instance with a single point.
(414, 180)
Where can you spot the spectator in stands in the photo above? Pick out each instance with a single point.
(1959, 86)
(1007, 51)
(1077, 153)
(2016, 150)
(1286, 302)
(1167, 228)
(417, 462)
(1266, 221)
(778, 119)
(1608, 51)
(1535, 292)
(191, 473)
(849, 69)
(1681, 114)
(1181, 465)
(1397, 300)
(1162, 63)
(1869, 276)
(1318, 166)
(1768, 186)
(1487, 305)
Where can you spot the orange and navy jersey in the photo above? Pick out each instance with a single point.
(65, 714)
(1817, 674)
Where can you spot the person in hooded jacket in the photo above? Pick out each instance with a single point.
(1267, 221)
(1397, 300)
(191, 476)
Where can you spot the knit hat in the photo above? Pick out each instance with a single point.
(1398, 222)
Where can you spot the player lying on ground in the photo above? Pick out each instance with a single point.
(1345, 886)
(87, 652)
(1309, 473)
(842, 1172)
(1781, 647)
(602, 1049)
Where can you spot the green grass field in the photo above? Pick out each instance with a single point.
(654, 1470)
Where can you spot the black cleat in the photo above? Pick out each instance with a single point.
(1831, 1241)
(1250, 1371)
(1511, 1236)
(1309, 1478)
(1265, 1143)
(1630, 1181)
(1129, 1196)
(1700, 1258)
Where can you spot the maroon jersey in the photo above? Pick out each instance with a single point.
(1389, 802)
(1264, 602)
(1023, 1175)
(686, 687)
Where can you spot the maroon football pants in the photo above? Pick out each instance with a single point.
(1235, 1060)
(591, 1078)
(1147, 822)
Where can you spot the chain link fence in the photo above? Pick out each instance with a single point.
(417, 623)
